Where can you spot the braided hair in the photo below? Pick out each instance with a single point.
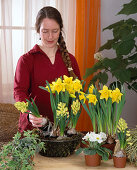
(53, 13)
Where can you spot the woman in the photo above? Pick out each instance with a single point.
(46, 61)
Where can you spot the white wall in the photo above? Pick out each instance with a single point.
(109, 9)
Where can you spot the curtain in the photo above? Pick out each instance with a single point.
(86, 44)
(18, 35)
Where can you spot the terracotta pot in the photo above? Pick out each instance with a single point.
(119, 162)
(111, 147)
(92, 160)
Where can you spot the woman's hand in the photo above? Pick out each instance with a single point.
(36, 122)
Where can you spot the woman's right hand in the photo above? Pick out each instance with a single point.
(36, 122)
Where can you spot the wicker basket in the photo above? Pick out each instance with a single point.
(61, 148)
(9, 117)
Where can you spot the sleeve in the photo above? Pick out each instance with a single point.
(75, 66)
(21, 90)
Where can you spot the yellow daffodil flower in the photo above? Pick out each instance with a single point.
(91, 89)
(82, 96)
(77, 85)
(116, 95)
(75, 107)
(58, 85)
(92, 98)
(21, 106)
(105, 93)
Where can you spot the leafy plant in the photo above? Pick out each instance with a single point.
(104, 108)
(28, 107)
(18, 154)
(93, 144)
(131, 149)
(124, 66)
(64, 102)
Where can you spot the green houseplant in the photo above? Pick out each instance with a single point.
(125, 45)
(131, 149)
(94, 150)
(18, 154)
(119, 157)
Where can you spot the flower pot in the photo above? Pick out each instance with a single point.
(119, 162)
(60, 148)
(92, 160)
(111, 147)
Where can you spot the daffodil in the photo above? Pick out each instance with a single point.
(92, 98)
(116, 95)
(77, 85)
(105, 93)
(58, 85)
(21, 106)
(91, 89)
(82, 96)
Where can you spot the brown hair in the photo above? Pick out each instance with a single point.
(53, 13)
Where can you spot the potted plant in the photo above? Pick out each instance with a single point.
(131, 149)
(94, 150)
(19, 153)
(119, 157)
(124, 44)
(104, 109)
(60, 136)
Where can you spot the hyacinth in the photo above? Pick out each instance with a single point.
(21, 106)
(105, 93)
(122, 125)
(75, 107)
(62, 110)
(116, 95)
(92, 98)
(82, 96)
(91, 89)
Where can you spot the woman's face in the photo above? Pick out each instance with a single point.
(49, 32)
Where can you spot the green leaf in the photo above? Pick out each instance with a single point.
(79, 151)
(117, 24)
(122, 75)
(90, 71)
(107, 45)
(88, 151)
(124, 47)
(129, 8)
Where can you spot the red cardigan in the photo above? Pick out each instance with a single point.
(33, 69)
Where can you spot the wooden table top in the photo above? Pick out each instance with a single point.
(73, 162)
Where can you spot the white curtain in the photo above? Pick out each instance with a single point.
(18, 35)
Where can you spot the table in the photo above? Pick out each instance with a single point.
(73, 162)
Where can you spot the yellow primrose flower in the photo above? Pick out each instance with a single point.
(116, 95)
(58, 85)
(82, 96)
(21, 106)
(91, 89)
(75, 107)
(62, 110)
(105, 93)
(77, 85)
(122, 125)
(92, 98)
